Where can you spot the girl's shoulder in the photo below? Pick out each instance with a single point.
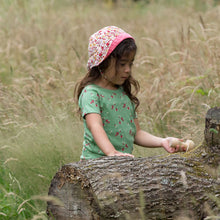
(91, 87)
(90, 91)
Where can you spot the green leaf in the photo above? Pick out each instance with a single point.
(213, 130)
(202, 92)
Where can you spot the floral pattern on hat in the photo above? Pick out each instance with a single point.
(103, 42)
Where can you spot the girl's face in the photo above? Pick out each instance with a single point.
(117, 73)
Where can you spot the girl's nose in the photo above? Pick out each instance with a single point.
(127, 69)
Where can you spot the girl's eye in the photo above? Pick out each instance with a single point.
(127, 63)
(123, 64)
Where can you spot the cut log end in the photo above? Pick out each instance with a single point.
(212, 127)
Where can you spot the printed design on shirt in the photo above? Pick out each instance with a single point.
(117, 113)
(125, 146)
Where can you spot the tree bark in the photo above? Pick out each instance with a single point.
(161, 187)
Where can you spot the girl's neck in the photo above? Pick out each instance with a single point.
(105, 83)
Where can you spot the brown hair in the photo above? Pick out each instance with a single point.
(123, 49)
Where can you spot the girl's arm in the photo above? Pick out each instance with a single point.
(95, 125)
(145, 139)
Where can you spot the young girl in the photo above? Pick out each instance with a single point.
(107, 98)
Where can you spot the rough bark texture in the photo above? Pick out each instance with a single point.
(162, 187)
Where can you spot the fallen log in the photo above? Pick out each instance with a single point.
(161, 187)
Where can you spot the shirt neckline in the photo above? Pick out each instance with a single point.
(112, 90)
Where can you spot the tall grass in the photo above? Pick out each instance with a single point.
(43, 52)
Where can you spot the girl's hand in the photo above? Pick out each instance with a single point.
(117, 153)
(173, 145)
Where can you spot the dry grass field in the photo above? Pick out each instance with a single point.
(43, 52)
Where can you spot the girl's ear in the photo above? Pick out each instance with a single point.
(113, 63)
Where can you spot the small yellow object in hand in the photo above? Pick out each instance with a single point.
(187, 145)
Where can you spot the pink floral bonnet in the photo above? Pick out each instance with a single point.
(103, 42)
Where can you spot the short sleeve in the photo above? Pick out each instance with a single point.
(135, 113)
(89, 102)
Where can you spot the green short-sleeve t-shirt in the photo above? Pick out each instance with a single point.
(117, 113)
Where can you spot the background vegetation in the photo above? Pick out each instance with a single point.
(43, 52)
